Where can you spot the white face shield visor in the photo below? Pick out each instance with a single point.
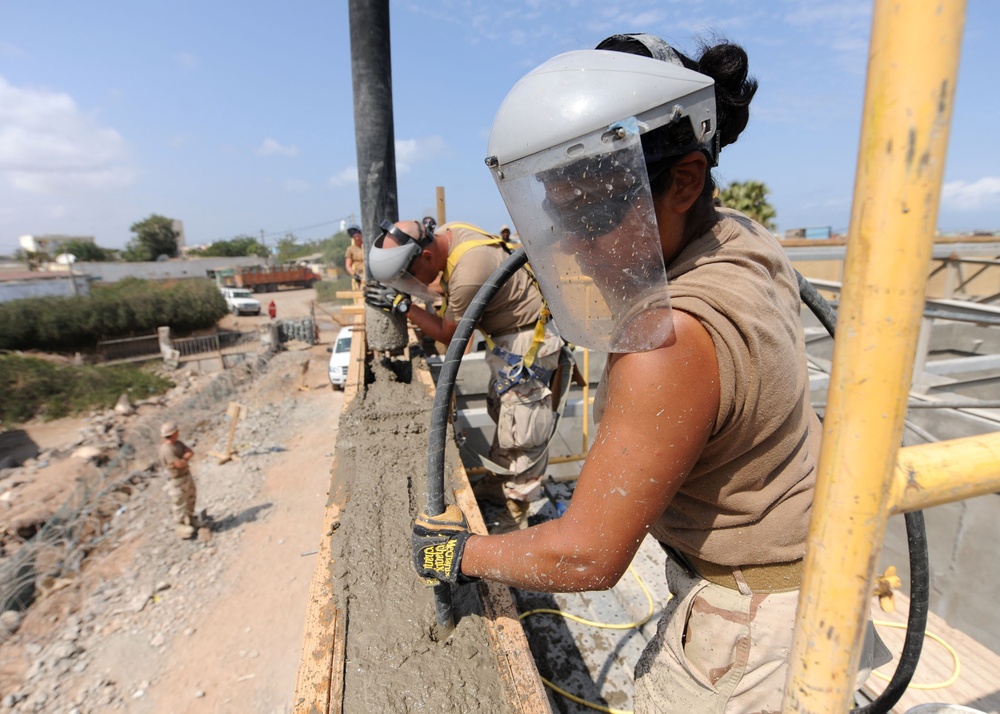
(391, 265)
(566, 154)
(585, 215)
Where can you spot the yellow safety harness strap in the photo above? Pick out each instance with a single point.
(461, 249)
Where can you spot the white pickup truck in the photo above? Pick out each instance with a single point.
(241, 301)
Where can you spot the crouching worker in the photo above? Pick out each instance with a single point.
(523, 345)
(175, 457)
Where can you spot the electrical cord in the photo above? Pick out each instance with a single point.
(603, 625)
(956, 666)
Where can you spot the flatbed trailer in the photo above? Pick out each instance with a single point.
(264, 279)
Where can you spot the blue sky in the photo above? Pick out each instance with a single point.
(237, 117)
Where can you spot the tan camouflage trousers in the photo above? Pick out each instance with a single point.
(183, 494)
(720, 651)
(523, 416)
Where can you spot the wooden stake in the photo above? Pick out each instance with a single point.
(234, 412)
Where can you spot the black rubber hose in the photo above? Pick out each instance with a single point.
(442, 404)
(916, 540)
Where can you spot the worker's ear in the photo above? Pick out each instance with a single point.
(688, 181)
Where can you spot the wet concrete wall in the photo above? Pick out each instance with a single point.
(965, 572)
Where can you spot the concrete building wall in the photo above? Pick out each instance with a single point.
(962, 539)
(43, 287)
(162, 270)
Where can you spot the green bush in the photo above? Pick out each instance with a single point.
(129, 307)
(34, 387)
(326, 289)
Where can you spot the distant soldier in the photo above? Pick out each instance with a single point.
(354, 256)
(174, 456)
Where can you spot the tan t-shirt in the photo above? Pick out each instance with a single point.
(356, 254)
(748, 498)
(517, 304)
(171, 452)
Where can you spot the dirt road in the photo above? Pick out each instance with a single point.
(154, 624)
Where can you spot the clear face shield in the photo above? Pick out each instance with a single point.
(391, 265)
(585, 215)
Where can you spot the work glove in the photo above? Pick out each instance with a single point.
(385, 298)
(438, 543)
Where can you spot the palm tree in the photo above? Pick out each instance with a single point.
(750, 198)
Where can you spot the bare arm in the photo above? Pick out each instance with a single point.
(661, 410)
(437, 328)
(349, 265)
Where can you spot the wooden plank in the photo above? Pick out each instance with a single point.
(519, 676)
(319, 685)
(320, 677)
(978, 683)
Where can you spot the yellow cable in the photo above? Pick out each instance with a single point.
(954, 655)
(602, 625)
(584, 702)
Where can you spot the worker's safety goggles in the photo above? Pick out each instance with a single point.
(393, 265)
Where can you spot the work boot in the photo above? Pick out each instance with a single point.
(489, 489)
(184, 531)
(513, 517)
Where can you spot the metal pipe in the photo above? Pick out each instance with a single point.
(913, 62)
(932, 474)
(371, 75)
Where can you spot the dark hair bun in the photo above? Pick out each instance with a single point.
(727, 64)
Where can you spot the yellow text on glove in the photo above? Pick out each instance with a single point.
(440, 557)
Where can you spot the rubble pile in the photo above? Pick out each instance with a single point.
(63, 602)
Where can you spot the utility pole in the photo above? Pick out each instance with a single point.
(263, 243)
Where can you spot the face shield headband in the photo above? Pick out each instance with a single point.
(391, 266)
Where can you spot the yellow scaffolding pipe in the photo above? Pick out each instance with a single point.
(932, 474)
(913, 62)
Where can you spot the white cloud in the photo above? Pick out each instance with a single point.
(411, 151)
(47, 145)
(344, 177)
(187, 60)
(178, 141)
(270, 147)
(9, 50)
(408, 152)
(971, 195)
(294, 185)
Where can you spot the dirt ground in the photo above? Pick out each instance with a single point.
(150, 623)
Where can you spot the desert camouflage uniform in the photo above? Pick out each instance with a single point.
(180, 484)
(523, 415)
(721, 651)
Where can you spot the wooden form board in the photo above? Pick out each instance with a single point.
(319, 687)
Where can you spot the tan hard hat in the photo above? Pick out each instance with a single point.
(168, 428)
(504, 228)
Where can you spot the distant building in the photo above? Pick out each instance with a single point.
(178, 227)
(820, 233)
(50, 244)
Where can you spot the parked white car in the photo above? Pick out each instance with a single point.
(340, 358)
(241, 301)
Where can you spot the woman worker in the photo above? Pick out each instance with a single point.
(706, 437)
